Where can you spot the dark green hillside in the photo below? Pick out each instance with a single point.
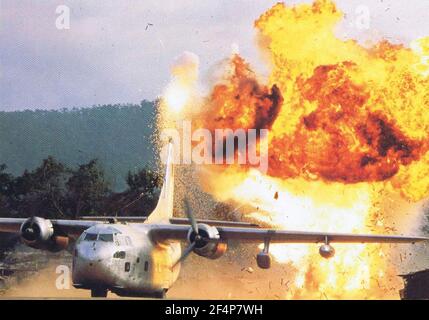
(118, 135)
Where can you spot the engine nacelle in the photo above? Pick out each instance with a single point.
(326, 251)
(39, 233)
(208, 249)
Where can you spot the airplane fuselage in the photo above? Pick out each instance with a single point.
(125, 260)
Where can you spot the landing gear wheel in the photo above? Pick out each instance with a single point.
(162, 294)
(98, 293)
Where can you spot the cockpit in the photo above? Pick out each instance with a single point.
(102, 237)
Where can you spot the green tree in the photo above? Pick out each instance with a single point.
(5, 188)
(144, 181)
(5, 181)
(40, 192)
(141, 196)
(87, 188)
(49, 182)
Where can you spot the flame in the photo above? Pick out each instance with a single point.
(350, 113)
(337, 111)
(240, 101)
(181, 88)
(176, 97)
(348, 130)
(356, 270)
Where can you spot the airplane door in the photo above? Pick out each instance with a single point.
(118, 261)
(130, 260)
(120, 255)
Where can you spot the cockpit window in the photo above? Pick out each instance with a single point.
(106, 237)
(119, 255)
(91, 237)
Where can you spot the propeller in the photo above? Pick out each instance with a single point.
(29, 231)
(185, 253)
(191, 217)
(194, 227)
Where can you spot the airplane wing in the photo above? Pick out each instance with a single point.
(167, 232)
(71, 228)
(225, 231)
(173, 220)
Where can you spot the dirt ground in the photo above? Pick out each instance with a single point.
(233, 276)
(225, 278)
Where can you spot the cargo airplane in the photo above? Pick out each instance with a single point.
(141, 257)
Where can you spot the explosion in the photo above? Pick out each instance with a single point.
(348, 132)
(184, 77)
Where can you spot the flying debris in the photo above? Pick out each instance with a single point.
(148, 25)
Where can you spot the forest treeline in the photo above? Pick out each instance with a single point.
(119, 136)
(55, 190)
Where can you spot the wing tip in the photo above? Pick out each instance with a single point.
(421, 239)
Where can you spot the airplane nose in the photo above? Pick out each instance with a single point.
(92, 264)
(93, 252)
(90, 254)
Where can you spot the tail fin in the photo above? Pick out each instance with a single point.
(164, 208)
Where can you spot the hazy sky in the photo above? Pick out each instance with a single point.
(109, 56)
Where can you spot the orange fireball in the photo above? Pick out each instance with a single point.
(349, 131)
